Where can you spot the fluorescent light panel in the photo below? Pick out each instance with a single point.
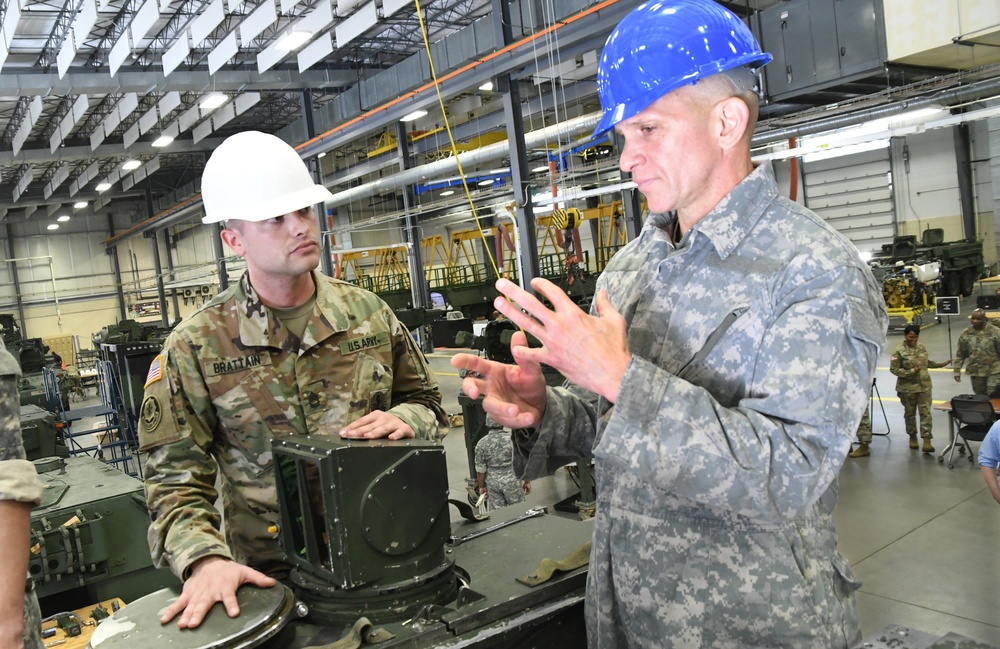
(213, 100)
(417, 114)
(292, 41)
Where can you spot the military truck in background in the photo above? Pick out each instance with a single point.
(960, 262)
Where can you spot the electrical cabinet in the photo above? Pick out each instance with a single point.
(821, 43)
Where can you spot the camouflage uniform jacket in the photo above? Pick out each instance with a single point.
(904, 359)
(981, 349)
(753, 345)
(231, 377)
(18, 480)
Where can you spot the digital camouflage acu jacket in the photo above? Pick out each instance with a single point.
(753, 344)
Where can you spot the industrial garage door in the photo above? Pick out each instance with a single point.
(854, 193)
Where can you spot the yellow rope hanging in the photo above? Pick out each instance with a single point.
(451, 140)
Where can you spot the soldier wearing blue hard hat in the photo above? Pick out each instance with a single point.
(720, 375)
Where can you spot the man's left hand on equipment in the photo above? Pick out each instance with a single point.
(376, 425)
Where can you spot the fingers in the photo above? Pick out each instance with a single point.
(202, 603)
(507, 413)
(171, 611)
(232, 606)
(555, 295)
(604, 306)
(259, 579)
(469, 362)
(376, 425)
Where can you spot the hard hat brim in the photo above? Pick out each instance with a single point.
(279, 206)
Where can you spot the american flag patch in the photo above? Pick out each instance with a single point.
(154, 374)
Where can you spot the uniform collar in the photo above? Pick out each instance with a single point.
(733, 218)
(260, 328)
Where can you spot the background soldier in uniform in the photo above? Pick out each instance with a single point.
(864, 436)
(495, 468)
(909, 363)
(980, 346)
(285, 351)
(20, 489)
(720, 376)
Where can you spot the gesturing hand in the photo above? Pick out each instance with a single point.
(590, 351)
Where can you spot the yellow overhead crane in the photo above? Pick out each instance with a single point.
(388, 272)
(611, 233)
(387, 142)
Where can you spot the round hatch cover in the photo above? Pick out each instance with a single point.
(263, 612)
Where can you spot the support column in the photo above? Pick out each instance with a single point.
(167, 240)
(116, 270)
(419, 291)
(630, 197)
(15, 278)
(325, 258)
(518, 152)
(966, 192)
(160, 293)
(220, 259)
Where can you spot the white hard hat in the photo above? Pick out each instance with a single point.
(254, 176)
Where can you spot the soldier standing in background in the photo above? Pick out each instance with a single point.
(20, 489)
(909, 364)
(864, 435)
(980, 346)
(284, 351)
(495, 468)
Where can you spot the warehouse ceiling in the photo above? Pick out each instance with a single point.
(90, 85)
(104, 103)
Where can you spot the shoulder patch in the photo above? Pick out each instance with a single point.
(155, 371)
(150, 414)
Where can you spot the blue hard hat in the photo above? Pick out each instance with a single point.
(661, 46)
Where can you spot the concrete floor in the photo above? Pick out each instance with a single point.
(922, 538)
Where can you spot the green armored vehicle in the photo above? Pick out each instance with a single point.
(40, 435)
(961, 262)
(88, 536)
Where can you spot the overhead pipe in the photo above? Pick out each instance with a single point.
(944, 98)
(468, 159)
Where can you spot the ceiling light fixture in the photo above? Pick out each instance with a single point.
(131, 164)
(484, 183)
(322, 155)
(163, 141)
(448, 193)
(487, 87)
(103, 187)
(293, 40)
(80, 205)
(213, 100)
(52, 226)
(537, 170)
(63, 218)
(417, 114)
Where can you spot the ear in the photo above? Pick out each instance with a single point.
(733, 116)
(232, 238)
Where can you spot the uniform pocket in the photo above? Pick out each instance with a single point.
(372, 386)
(250, 417)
